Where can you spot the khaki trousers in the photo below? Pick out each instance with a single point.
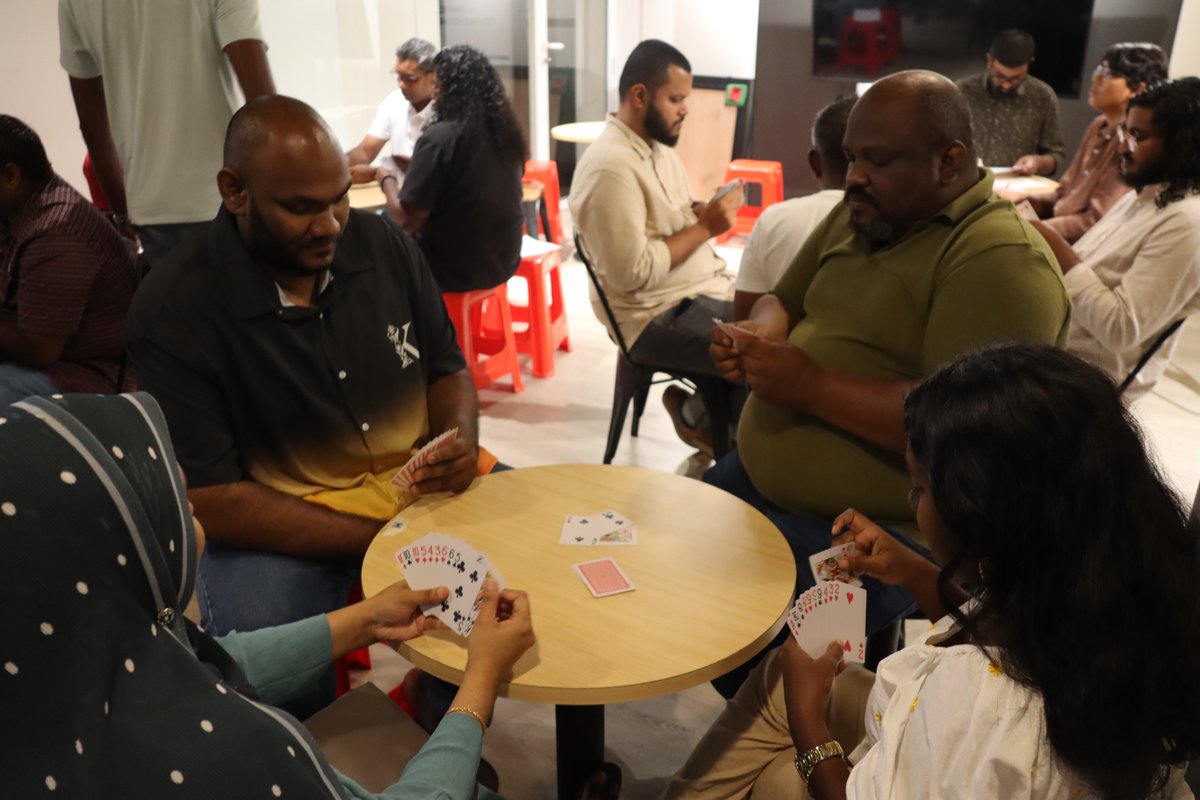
(748, 752)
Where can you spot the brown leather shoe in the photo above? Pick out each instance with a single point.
(698, 437)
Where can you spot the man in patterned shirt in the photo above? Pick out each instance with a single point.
(66, 279)
(1014, 116)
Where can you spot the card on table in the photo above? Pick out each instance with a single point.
(440, 560)
(606, 528)
(831, 611)
(603, 577)
(404, 478)
(825, 567)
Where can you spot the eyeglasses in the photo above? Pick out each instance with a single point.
(406, 77)
(1129, 138)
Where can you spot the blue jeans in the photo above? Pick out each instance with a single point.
(159, 240)
(245, 590)
(18, 381)
(805, 536)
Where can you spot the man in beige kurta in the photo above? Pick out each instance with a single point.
(647, 240)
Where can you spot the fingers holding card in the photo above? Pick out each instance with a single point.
(440, 560)
(831, 611)
(404, 478)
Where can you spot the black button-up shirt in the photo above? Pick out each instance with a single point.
(300, 399)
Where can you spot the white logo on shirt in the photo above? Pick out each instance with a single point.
(399, 338)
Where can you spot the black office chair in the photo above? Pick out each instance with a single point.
(635, 376)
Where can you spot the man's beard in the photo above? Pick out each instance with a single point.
(1156, 173)
(267, 247)
(878, 231)
(658, 129)
(999, 93)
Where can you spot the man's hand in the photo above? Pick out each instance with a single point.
(395, 613)
(1026, 165)
(778, 373)
(362, 173)
(450, 469)
(717, 216)
(723, 350)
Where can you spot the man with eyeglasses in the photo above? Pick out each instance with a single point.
(1092, 183)
(401, 117)
(1137, 270)
(1014, 115)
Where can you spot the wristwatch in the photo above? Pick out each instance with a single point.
(807, 761)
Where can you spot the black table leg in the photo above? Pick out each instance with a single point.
(579, 734)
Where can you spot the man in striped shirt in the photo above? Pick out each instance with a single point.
(66, 279)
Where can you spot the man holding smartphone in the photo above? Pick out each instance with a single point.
(646, 238)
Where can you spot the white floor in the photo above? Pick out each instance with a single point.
(564, 419)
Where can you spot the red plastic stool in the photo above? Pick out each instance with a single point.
(546, 173)
(768, 176)
(497, 349)
(870, 39)
(544, 316)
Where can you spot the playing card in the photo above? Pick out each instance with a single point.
(825, 565)
(404, 478)
(606, 528)
(1026, 210)
(440, 560)
(735, 332)
(831, 611)
(603, 577)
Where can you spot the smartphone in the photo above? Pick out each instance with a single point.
(725, 189)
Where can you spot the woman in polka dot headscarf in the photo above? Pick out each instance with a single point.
(106, 691)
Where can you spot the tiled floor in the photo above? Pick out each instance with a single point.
(564, 419)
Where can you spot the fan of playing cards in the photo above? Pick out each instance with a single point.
(404, 478)
(833, 610)
(440, 560)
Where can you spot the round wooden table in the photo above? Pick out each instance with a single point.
(714, 580)
(577, 132)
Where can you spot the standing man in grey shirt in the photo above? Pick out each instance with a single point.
(1014, 116)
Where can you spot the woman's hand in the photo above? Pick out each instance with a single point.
(807, 682)
(878, 554)
(503, 632)
(395, 613)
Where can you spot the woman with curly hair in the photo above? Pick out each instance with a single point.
(461, 197)
(1064, 661)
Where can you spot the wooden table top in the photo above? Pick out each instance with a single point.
(367, 196)
(714, 579)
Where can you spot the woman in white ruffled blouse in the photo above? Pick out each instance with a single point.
(1066, 662)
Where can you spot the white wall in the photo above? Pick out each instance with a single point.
(1185, 55)
(34, 87)
(719, 37)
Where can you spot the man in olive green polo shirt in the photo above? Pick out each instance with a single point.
(922, 262)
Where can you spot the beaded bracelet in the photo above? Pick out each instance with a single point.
(472, 712)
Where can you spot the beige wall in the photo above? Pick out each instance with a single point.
(34, 87)
(1185, 55)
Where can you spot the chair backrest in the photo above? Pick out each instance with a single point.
(612, 318)
(546, 173)
(1146, 356)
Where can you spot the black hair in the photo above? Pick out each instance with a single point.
(1090, 563)
(828, 131)
(1175, 111)
(648, 64)
(471, 95)
(1012, 48)
(21, 146)
(1137, 63)
(947, 115)
(418, 50)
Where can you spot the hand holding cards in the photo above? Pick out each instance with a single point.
(831, 611)
(440, 560)
(404, 478)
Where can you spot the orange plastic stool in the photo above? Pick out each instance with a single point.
(545, 315)
(768, 176)
(546, 173)
(498, 349)
(870, 43)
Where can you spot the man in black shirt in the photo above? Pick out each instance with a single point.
(300, 351)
